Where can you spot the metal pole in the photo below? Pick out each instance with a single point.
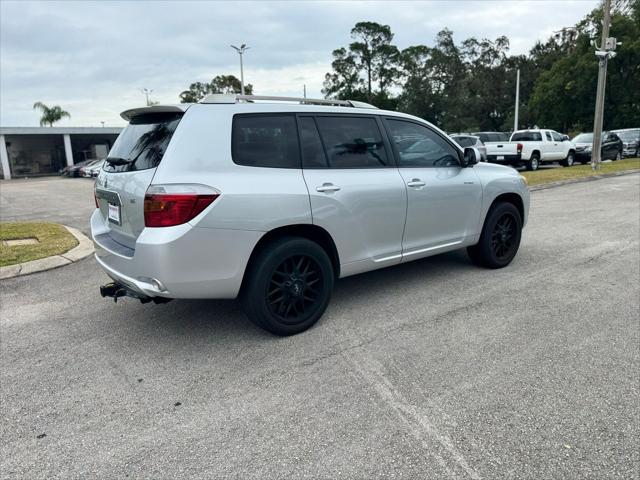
(304, 90)
(241, 75)
(602, 79)
(515, 121)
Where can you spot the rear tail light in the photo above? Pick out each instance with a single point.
(519, 147)
(169, 205)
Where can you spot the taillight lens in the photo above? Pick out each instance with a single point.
(519, 147)
(166, 206)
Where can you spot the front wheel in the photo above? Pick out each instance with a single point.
(533, 163)
(618, 156)
(500, 238)
(568, 162)
(288, 286)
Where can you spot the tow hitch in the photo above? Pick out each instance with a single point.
(116, 290)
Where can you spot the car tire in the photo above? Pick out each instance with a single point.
(500, 237)
(533, 163)
(287, 286)
(618, 156)
(569, 161)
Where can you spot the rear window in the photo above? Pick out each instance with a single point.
(526, 137)
(142, 144)
(465, 141)
(352, 142)
(265, 141)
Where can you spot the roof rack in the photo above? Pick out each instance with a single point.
(224, 98)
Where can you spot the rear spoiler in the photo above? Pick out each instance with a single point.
(134, 112)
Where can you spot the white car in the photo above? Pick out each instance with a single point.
(532, 148)
(272, 201)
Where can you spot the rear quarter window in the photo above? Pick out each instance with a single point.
(526, 137)
(265, 141)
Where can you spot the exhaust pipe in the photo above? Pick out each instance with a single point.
(116, 290)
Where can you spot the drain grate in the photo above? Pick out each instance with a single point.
(20, 241)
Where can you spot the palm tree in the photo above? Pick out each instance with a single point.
(50, 115)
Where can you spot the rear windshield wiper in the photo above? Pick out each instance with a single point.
(118, 161)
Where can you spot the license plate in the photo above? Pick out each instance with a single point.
(114, 214)
(500, 157)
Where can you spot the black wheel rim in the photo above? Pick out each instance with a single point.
(295, 289)
(504, 235)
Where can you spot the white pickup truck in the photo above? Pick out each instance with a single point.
(532, 148)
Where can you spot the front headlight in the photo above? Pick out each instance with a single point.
(587, 149)
(524, 180)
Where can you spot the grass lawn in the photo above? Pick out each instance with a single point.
(52, 240)
(577, 171)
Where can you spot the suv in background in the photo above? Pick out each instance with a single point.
(465, 140)
(630, 141)
(611, 147)
(273, 199)
(492, 136)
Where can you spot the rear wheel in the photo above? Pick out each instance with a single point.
(618, 156)
(568, 162)
(500, 238)
(533, 163)
(288, 286)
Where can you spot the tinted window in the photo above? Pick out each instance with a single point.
(265, 141)
(352, 142)
(419, 146)
(526, 137)
(312, 151)
(142, 144)
(465, 141)
(629, 135)
(483, 137)
(556, 136)
(584, 138)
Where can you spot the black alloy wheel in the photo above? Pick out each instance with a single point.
(295, 289)
(500, 237)
(287, 285)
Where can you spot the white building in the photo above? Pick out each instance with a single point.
(34, 151)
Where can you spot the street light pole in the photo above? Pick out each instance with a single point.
(243, 48)
(147, 92)
(603, 57)
(515, 121)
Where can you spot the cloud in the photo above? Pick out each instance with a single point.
(93, 58)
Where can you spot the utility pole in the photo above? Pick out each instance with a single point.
(515, 121)
(147, 92)
(241, 49)
(304, 90)
(603, 56)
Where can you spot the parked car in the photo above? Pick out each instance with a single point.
(630, 141)
(611, 147)
(94, 169)
(532, 148)
(471, 141)
(86, 170)
(492, 136)
(272, 202)
(74, 170)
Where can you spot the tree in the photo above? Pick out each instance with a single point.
(50, 115)
(228, 84)
(371, 61)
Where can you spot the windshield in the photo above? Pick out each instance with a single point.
(583, 138)
(465, 141)
(526, 137)
(142, 144)
(629, 135)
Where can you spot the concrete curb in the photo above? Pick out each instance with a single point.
(80, 251)
(560, 183)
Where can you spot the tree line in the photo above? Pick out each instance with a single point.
(470, 85)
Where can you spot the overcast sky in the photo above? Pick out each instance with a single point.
(93, 57)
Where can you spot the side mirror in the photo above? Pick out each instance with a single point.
(565, 138)
(471, 157)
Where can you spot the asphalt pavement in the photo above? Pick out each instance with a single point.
(432, 369)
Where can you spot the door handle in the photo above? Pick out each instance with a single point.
(327, 187)
(416, 182)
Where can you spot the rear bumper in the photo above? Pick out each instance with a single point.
(177, 262)
(505, 159)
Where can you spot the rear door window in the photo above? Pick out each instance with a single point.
(352, 142)
(265, 141)
(142, 144)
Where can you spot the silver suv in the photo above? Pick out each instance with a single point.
(271, 200)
